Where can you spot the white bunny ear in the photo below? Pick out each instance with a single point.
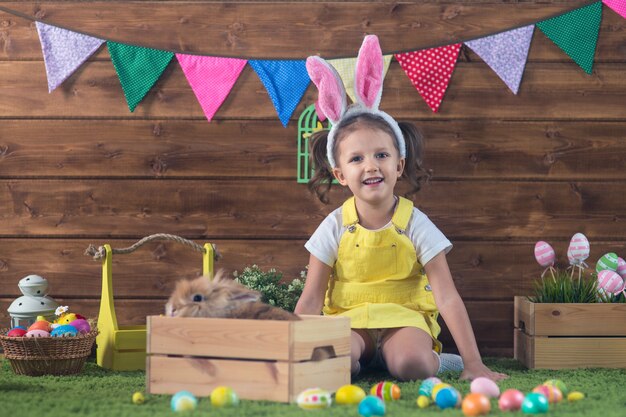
(368, 73)
(332, 94)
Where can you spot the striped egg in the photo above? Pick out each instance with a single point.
(607, 261)
(578, 249)
(313, 399)
(386, 391)
(621, 267)
(610, 281)
(544, 254)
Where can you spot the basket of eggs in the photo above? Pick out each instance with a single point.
(45, 348)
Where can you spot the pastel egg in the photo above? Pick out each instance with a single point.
(511, 400)
(423, 401)
(476, 404)
(81, 325)
(386, 391)
(40, 325)
(138, 398)
(183, 401)
(485, 386)
(544, 254)
(314, 398)
(610, 281)
(559, 384)
(575, 396)
(65, 330)
(16, 332)
(37, 333)
(621, 267)
(608, 261)
(349, 394)
(535, 403)
(578, 249)
(552, 393)
(426, 387)
(447, 397)
(371, 406)
(224, 397)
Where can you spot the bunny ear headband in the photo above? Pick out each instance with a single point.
(368, 89)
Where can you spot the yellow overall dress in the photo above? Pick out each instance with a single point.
(377, 279)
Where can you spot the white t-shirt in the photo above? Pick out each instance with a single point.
(426, 237)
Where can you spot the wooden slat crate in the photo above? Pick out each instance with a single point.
(559, 336)
(259, 359)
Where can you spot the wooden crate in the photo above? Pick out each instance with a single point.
(259, 359)
(559, 336)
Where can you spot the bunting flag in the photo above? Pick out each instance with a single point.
(285, 82)
(210, 78)
(619, 6)
(64, 51)
(506, 53)
(430, 70)
(138, 69)
(346, 67)
(576, 33)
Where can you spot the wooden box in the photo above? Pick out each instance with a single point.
(259, 359)
(559, 336)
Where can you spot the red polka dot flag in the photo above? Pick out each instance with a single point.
(430, 70)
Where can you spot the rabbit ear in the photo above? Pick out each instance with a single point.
(332, 94)
(368, 75)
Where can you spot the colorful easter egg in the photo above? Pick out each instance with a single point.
(81, 325)
(511, 400)
(447, 397)
(608, 261)
(386, 391)
(423, 401)
(313, 399)
(610, 281)
(535, 403)
(40, 325)
(224, 397)
(476, 404)
(578, 249)
(64, 330)
(559, 384)
(621, 267)
(575, 396)
(349, 394)
(544, 254)
(138, 398)
(16, 332)
(183, 401)
(371, 406)
(485, 386)
(552, 393)
(426, 387)
(37, 333)
(436, 389)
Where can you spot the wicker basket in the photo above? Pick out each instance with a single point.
(36, 356)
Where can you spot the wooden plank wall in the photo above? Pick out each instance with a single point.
(76, 167)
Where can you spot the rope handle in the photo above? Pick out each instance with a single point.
(99, 253)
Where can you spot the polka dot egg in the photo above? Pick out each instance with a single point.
(314, 398)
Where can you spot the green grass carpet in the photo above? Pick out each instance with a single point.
(97, 392)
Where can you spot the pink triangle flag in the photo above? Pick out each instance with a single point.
(618, 5)
(430, 71)
(64, 51)
(211, 78)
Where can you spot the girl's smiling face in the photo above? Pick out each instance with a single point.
(368, 163)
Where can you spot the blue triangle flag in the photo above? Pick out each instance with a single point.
(285, 82)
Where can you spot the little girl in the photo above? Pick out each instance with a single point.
(387, 260)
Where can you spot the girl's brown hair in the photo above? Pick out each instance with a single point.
(323, 177)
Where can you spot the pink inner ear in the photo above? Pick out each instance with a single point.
(330, 98)
(369, 72)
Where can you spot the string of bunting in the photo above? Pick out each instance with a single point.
(212, 78)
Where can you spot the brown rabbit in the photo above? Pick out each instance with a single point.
(221, 297)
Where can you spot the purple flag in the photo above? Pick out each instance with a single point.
(64, 51)
(506, 53)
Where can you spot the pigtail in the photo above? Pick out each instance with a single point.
(323, 177)
(414, 173)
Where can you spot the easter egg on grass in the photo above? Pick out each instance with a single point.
(423, 401)
(578, 249)
(37, 333)
(183, 401)
(436, 388)
(475, 404)
(511, 400)
(426, 387)
(224, 397)
(64, 330)
(371, 406)
(138, 398)
(535, 403)
(349, 394)
(485, 386)
(609, 281)
(544, 254)
(607, 261)
(447, 397)
(552, 393)
(386, 391)
(16, 332)
(314, 398)
(559, 384)
(575, 396)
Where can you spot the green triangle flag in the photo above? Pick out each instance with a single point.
(137, 68)
(576, 33)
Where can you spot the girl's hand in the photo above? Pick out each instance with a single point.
(478, 369)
